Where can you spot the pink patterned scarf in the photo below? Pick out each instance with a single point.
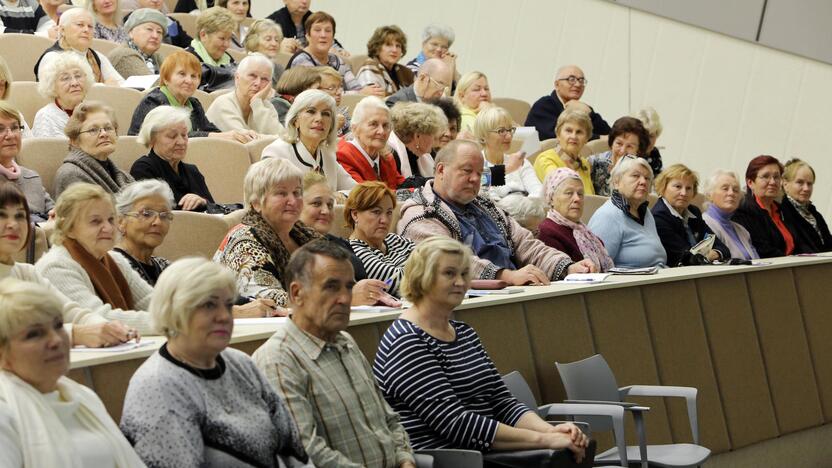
(10, 173)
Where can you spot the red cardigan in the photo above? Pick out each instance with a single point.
(360, 169)
(559, 237)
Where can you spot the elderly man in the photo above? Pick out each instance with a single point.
(433, 77)
(449, 206)
(146, 28)
(570, 85)
(321, 374)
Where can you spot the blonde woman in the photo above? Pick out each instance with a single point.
(573, 130)
(510, 173)
(472, 95)
(108, 20)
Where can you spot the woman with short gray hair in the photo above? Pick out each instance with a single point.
(64, 82)
(371, 127)
(248, 106)
(436, 40)
(165, 133)
(722, 190)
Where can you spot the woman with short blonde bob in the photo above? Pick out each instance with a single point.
(79, 263)
(447, 409)
(197, 402)
(265, 37)
(722, 190)
(47, 418)
(65, 82)
(573, 130)
(810, 229)
(472, 95)
(510, 173)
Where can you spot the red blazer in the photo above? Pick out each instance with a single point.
(360, 169)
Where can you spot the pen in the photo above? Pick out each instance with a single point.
(388, 282)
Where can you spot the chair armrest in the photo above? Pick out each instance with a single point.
(449, 458)
(615, 412)
(582, 425)
(627, 406)
(688, 393)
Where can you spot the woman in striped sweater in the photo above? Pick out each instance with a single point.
(436, 374)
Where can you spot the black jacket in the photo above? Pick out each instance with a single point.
(806, 239)
(188, 180)
(671, 231)
(764, 233)
(200, 125)
(544, 115)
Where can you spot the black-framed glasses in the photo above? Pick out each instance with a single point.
(109, 129)
(148, 215)
(573, 80)
(502, 131)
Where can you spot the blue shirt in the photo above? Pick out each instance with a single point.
(630, 244)
(481, 233)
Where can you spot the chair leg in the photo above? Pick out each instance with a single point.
(638, 418)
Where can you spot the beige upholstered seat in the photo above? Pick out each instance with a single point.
(41, 246)
(188, 22)
(44, 156)
(237, 54)
(21, 52)
(592, 203)
(351, 100)
(103, 46)
(545, 145)
(204, 98)
(223, 163)
(255, 148)
(595, 147)
(123, 101)
(128, 150)
(25, 97)
(518, 108)
(234, 218)
(283, 59)
(167, 49)
(192, 234)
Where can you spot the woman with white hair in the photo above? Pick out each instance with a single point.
(248, 106)
(197, 402)
(472, 95)
(47, 419)
(265, 37)
(165, 133)
(510, 173)
(140, 55)
(722, 190)
(365, 155)
(624, 223)
(653, 124)
(308, 139)
(75, 29)
(258, 248)
(436, 42)
(415, 126)
(108, 18)
(65, 82)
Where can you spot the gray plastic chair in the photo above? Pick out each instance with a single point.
(591, 381)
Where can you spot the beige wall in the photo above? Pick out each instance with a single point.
(722, 100)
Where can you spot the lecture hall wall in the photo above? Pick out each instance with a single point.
(722, 100)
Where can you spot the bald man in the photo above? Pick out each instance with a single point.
(570, 85)
(433, 77)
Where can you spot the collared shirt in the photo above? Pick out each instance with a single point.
(687, 215)
(480, 232)
(330, 391)
(373, 162)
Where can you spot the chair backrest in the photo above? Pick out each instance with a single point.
(44, 156)
(590, 379)
(356, 61)
(283, 59)
(167, 49)
(591, 204)
(25, 97)
(548, 144)
(41, 246)
(22, 51)
(255, 148)
(171, 4)
(204, 98)
(518, 387)
(192, 234)
(234, 218)
(128, 150)
(517, 108)
(237, 55)
(652, 198)
(223, 163)
(103, 46)
(351, 100)
(123, 101)
(596, 146)
(188, 22)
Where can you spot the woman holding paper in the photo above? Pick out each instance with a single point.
(573, 129)
(563, 228)
(494, 128)
(723, 192)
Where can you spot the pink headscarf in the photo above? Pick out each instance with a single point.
(591, 246)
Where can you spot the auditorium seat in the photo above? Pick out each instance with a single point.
(128, 150)
(545, 145)
(192, 234)
(123, 101)
(597, 146)
(517, 108)
(21, 52)
(103, 46)
(234, 218)
(204, 98)
(171, 4)
(24, 95)
(283, 58)
(592, 203)
(255, 148)
(167, 49)
(188, 22)
(44, 156)
(223, 163)
(356, 61)
(351, 100)
(41, 246)
(237, 55)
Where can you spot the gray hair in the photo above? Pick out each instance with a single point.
(184, 286)
(48, 74)
(438, 30)
(254, 58)
(304, 100)
(71, 13)
(265, 174)
(135, 191)
(651, 121)
(366, 105)
(627, 164)
(710, 183)
(160, 118)
(522, 208)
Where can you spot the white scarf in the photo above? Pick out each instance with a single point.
(44, 440)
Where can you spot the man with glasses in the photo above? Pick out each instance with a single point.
(570, 85)
(433, 78)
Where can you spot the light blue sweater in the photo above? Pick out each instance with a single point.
(630, 244)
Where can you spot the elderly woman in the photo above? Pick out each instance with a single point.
(248, 106)
(811, 233)
(165, 133)
(107, 15)
(723, 192)
(415, 125)
(28, 181)
(386, 47)
(92, 139)
(436, 42)
(369, 213)
(472, 95)
(64, 82)
(331, 83)
(678, 222)
(76, 33)
(240, 10)
(510, 173)
(365, 155)
(265, 37)
(20, 16)
(426, 361)
(627, 137)
(308, 141)
(197, 402)
(573, 130)
(214, 27)
(180, 74)
(79, 265)
(653, 124)
(759, 212)
(140, 55)
(624, 223)
(47, 418)
(293, 82)
(258, 248)
(454, 124)
(174, 33)
(320, 34)
(563, 228)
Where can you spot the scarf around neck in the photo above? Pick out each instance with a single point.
(105, 275)
(200, 50)
(11, 173)
(110, 178)
(723, 218)
(266, 235)
(804, 212)
(621, 203)
(591, 246)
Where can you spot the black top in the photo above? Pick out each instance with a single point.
(357, 265)
(187, 6)
(21, 22)
(675, 240)
(188, 180)
(148, 271)
(806, 239)
(764, 233)
(544, 115)
(284, 19)
(213, 77)
(200, 125)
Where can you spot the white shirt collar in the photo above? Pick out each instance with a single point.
(687, 215)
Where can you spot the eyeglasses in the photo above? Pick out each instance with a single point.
(768, 177)
(14, 130)
(147, 215)
(109, 129)
(69, 78)
(502, 131)
(437, 82)
(331, 89)
(572, 79)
